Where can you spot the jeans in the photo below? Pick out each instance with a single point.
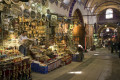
(23, 50)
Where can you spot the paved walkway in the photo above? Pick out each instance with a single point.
(97, 65)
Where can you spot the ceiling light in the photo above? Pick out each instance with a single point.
(107, 30)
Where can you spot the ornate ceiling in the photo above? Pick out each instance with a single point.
(96, 6)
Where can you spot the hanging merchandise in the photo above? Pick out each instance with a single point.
(39, 7)
(27, 5)
(71, 26)
(45, 3)
(15, 10)
(33, 14)
(24, 0)
(15, 1)
(53, 20)
(1, 6)
(43, 17)
(26, 13)
(8, 1)
(38, 15)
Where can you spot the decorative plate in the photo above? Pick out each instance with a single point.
(45, 3)
(26, 13)
(26, 4)
(33, 14)
(1, 6)
(8, 1)
(15, 1)
(38, 15)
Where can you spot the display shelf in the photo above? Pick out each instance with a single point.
(13, 70)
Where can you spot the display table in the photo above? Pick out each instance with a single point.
(66, 60)
(45, 68)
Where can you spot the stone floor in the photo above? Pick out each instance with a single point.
(97, 65)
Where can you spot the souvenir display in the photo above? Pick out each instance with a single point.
(33, 14)
(13, 65)
(47, 44)
(1, 7)
(8, 1)
(15, 1)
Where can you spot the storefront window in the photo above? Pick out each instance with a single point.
(109, 14)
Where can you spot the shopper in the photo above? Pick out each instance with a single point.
(119, 48)
(112, 46)
(80, 51)
(116, 46)
(22, 39)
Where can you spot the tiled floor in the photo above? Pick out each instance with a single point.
(97, 65)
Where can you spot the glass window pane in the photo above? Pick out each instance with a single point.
(109, 14)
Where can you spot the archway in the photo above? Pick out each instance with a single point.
(101, 29)
(79, 29)
(107, 33)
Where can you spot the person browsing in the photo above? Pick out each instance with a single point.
(22, 39)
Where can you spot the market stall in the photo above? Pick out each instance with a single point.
(51, 44)
(13, 65)
(50, 57)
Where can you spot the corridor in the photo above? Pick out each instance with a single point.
(97, 65)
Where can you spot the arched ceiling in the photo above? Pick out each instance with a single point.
(96, 6)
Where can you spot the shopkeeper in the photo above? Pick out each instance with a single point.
(22, 39)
